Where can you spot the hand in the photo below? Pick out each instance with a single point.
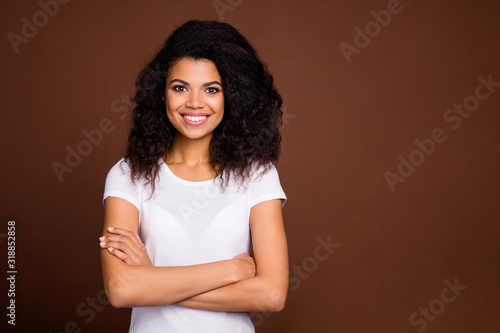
(126, 246)
(246, 265)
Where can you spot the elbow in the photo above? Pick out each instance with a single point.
(274, 300)
(277, 293)
(120, 284)
(279, 302)
(118, 300)
(118, 294)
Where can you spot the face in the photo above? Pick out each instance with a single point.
(193, 97)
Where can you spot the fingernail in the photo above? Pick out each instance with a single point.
(101, 238)
(102, 243)
(110, 249)
(111, 229)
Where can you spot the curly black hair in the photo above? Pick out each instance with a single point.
(249, 133)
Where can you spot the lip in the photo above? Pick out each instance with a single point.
(194, 123)
(195, 114)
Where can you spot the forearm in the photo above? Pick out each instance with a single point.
(268, 289)
(135, 286)
(254, 294)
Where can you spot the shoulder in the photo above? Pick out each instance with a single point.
(120, 169)
(262, 175)
(120, 175)
(254, 175)
(121, 172)
(264, 170)
(266, 184)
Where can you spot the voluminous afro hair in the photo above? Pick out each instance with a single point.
(248, 134)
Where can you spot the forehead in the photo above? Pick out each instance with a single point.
(194, 70)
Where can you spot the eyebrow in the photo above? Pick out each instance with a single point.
(187, 84)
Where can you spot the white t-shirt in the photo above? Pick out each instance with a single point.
(187, 223)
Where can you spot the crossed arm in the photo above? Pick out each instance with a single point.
(239, 284)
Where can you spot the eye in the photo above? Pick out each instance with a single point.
(212, 90)
(179, 88)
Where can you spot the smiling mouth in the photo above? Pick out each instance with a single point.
(195, 118)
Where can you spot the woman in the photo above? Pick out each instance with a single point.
(197, 190)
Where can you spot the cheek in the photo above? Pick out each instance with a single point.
(218, 105)
(172, 103)
(170, 111)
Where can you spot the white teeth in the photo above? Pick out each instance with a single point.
(194, 118)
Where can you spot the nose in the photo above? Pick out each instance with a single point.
(195, 100)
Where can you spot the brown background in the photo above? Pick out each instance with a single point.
(346, 125)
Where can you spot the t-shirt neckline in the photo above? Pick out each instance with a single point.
(180, 180)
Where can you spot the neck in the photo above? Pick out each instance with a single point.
(189, 151)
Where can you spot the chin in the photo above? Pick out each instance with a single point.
(194, 136)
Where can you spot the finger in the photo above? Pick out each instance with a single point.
(139, 238)
(131, 243)
(133, 258)
(133, 236)
(129, 257)
(104, 245)
(124, 248)
(119, 254)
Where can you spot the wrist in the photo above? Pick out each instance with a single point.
(236, 271)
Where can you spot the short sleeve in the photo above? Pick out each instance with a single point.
(266, 187)
(118, 184)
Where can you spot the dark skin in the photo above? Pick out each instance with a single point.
(240, 284)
